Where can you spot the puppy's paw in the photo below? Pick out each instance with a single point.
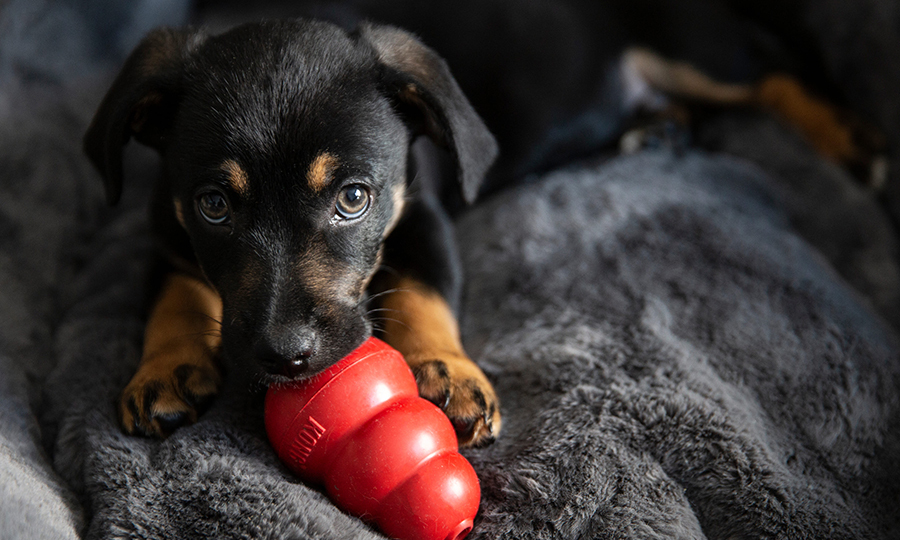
(156, 401)
(461, 390)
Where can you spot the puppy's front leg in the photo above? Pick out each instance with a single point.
(178, 373)
(419, 323)
(415, 316)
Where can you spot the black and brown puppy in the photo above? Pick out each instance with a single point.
(285, 188)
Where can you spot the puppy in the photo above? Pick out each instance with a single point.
(286, 191)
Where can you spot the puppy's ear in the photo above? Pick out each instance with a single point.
(418, 77)
(141, 102)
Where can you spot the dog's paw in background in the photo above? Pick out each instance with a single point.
(462, 391)
(156, 402)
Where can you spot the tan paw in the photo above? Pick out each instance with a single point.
(461, 390)
(156, 402)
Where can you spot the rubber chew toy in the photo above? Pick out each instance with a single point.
(382, 452)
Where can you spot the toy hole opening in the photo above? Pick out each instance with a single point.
(461, 530)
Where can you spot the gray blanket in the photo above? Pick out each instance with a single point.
(685, 346)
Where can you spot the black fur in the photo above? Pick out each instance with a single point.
(271, 97)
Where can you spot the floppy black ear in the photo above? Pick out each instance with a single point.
(421, 78)
(140, 102)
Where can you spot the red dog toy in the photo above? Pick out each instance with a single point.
(381, 451)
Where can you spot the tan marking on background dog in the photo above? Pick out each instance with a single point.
(782, 95)
(320, 171)
(683, 80)
(817, 119)
(237, 176)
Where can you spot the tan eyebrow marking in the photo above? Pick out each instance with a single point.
(320, 170)
(237, 177)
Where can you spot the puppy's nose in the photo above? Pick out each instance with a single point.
(286, 351)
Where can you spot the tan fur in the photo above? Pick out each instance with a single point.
(320, 171)
(682, 80)
(237, 177)
(326, 278)
(421, 325)
(815, 118)
(182, 332)
(782, 95)
(415, 306)
(186, 312)
(398, 194)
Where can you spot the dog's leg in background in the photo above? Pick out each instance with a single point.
(178, 372)
(834, 133)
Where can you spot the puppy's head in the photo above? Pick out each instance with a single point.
(284, 149)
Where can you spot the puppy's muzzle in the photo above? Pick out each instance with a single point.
(286, 350)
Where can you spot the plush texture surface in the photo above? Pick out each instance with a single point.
(675, 363)
(696, 345)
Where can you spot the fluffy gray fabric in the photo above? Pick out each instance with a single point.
(685, 346)
(674, 362)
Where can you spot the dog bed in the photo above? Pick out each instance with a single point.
(686, 344)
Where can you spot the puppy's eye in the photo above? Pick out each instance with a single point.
(213, 207)
(353, 201)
